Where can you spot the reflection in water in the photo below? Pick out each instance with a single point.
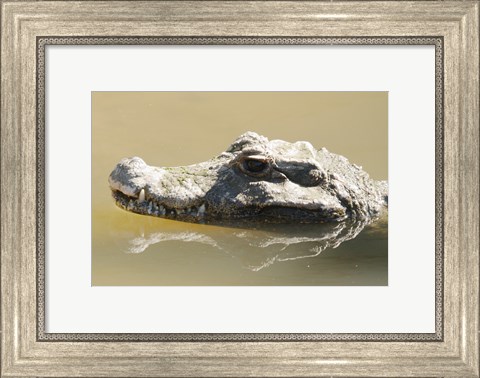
(260, 249)
(133, 249)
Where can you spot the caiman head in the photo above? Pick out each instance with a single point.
(254, 179)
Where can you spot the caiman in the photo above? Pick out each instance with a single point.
(255, 179)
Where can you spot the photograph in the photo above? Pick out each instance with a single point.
(239, 188)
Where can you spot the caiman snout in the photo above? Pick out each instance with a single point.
(164, 192)
(129, 176)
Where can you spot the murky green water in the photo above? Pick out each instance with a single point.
(170, 129)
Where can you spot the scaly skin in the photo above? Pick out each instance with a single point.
(254, 180)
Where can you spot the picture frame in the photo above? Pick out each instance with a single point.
(452, 26)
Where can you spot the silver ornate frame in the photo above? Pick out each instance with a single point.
(42, 42)
(451, 25)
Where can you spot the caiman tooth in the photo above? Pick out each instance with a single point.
(141, 196)
(201, 209)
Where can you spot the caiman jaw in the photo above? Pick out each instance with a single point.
(143, 205)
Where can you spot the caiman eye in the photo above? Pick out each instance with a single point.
(257, 166)
(254, 166)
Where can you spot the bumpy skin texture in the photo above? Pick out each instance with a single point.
(256, 180)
